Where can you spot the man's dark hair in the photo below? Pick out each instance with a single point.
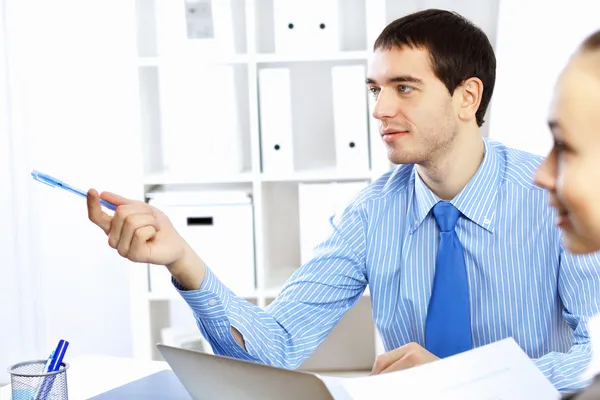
(459, 49)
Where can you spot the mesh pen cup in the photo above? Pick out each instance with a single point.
(29, 381)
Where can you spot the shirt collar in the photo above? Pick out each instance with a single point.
(477, 201)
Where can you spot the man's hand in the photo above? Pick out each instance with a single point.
(407, 356)
(142, 233)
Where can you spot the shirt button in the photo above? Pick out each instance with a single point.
(212, 302)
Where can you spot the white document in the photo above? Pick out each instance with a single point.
(275, 103)
(350, 113)
(498, 371)
(306, 26)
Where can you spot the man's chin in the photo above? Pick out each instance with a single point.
(401, 157)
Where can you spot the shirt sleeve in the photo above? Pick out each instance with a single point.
(310, 304)
(579, 289)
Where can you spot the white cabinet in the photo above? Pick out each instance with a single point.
(221, 231)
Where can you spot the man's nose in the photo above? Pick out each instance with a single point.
(386, 105)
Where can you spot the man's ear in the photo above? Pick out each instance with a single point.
(468, 97)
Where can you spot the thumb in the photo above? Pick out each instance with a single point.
(115, 199)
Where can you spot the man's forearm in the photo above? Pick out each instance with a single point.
(190, 272)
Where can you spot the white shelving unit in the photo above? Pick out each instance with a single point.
(275, 204)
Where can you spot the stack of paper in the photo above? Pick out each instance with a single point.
(499, 371)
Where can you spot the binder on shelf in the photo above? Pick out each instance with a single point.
(317, 203)
(350, 113)
(275, 104)
(201, 130)
(306, 26)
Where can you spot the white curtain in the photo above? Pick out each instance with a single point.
(12, 325)
(73, 101)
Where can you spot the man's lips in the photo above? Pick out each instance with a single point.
(391, 135)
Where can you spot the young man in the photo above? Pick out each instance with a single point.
(571, 172)
(457, 244)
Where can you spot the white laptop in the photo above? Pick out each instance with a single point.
(207, 376)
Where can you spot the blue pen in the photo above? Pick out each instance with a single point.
(46, 370)
(53, 365)
(53, 182)
(47, 365)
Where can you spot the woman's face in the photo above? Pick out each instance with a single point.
(571, 172)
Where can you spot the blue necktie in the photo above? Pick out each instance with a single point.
(448, 325)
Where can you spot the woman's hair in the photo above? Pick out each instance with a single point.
(592, 42)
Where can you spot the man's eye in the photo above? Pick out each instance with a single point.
(374, 91)
(404, 89)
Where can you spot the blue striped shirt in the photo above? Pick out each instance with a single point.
(522, 283)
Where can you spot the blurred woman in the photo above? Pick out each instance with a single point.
(571, 172)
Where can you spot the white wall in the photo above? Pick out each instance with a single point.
(532, 48)
(10, 306)
(73, 106)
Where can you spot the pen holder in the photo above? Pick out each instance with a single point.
(30, 382)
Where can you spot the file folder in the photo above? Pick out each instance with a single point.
(163, 385)
(201, 127)
(306, 26)
(350, 113)
(276, 120)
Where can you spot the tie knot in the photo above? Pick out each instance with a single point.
(446, 215)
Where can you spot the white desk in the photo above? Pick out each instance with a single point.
(89, 376)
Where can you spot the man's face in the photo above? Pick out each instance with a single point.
(417, 115)
(571, 172)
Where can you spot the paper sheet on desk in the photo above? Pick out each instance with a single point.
(499, 371)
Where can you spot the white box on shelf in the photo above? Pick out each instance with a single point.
(222, 233)
(201, 127)
(306, 26)
(200, 27)
(275, 105)
(317, 203)
(350, 113)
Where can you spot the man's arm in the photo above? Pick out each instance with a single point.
(311, 303)
(579, 289)
(286, 332)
